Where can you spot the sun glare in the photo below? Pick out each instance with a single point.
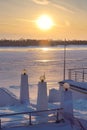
(45, 49)
(44, 22)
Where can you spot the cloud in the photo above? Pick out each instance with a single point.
(25, 20)
(63, 8)
(46, 2)
(43, 2)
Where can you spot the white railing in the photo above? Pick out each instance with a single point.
(78, 74)
(31, 118)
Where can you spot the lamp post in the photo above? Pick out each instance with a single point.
(42, 99)
(67, 102)
(24, 89)
(64, 67)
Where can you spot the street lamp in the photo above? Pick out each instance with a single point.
(64, 67)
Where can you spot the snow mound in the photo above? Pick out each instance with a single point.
(54, 95)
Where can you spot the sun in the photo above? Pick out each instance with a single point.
(44, 22)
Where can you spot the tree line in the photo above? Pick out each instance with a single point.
(33, 42)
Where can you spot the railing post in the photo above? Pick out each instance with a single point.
(57, 120)
(69, 74)
(57, 117)
(83, 76)
(75, 76)
(30, 119)
(0, 124)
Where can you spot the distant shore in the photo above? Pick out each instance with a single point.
(33, 42)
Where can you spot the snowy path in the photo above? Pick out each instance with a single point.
(52, 126)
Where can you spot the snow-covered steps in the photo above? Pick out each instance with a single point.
(7, 98)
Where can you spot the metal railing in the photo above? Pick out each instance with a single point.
(29, 120)
(78, 123)
(77, 74)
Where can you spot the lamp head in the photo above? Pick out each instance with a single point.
(24, 72)
(66, 86)
(42, 78)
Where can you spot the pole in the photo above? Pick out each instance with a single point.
(83, 76)
(0, 124)
(64, 67)
(30, 119)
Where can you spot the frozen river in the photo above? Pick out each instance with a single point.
(37, 61)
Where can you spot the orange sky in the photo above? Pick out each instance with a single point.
(17, 19)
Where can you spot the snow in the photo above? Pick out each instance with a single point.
(80, 109)
(8, 98)
(54, 95)
(80, 85)
(51, 126)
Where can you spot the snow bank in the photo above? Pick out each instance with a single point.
(54, 95)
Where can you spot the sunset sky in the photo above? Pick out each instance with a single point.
(18, 19)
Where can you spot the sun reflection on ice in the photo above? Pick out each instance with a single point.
(45, 49)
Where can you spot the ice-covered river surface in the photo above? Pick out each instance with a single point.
(37, 61)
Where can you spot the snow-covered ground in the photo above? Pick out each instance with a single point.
(79, 108)
(53, 126)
